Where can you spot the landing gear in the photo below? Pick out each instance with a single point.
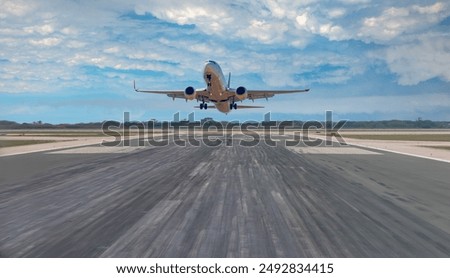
(203, 106)
(233, 106)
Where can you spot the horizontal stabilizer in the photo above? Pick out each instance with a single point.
(248, 106)
(209, 107)
(238, 107)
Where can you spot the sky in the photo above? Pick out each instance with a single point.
(75, 61)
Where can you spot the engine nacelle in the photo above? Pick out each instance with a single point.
(241, 93)
(190, 93)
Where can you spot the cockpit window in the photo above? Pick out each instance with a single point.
(211, 61)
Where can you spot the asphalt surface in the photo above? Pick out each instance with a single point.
(224, 201)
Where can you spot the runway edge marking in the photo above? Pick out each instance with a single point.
(397, 152)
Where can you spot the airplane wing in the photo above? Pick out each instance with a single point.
(170, 93)
(255, 94)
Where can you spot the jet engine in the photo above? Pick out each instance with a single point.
(190, 93)
(241, 93)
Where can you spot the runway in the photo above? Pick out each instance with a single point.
(224, 201)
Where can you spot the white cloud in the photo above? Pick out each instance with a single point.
(15, 8)
(412, 49)
(75, 44)
(353, 2)
(336, 12)
(425, 58)
(266, 21)
(69, 31)
(210, 17)
(302, 20)
(395, 21)
(46, 42)
(63, 38)
(431, 9)
(322, 26)
(45, 29)
(263, 31)
(276, 9)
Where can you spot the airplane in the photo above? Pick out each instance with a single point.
(218, 92)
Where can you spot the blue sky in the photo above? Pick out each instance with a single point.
(75, 61)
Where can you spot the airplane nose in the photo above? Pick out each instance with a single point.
(209, 67)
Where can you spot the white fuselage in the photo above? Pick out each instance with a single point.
(216, 86)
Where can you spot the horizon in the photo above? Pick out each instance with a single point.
(187, 119)
(75, 62)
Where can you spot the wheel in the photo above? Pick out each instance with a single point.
(231, 106)
(201, 106)
(205, 106)
(235, 106)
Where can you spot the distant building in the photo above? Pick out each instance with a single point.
(191, 117)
